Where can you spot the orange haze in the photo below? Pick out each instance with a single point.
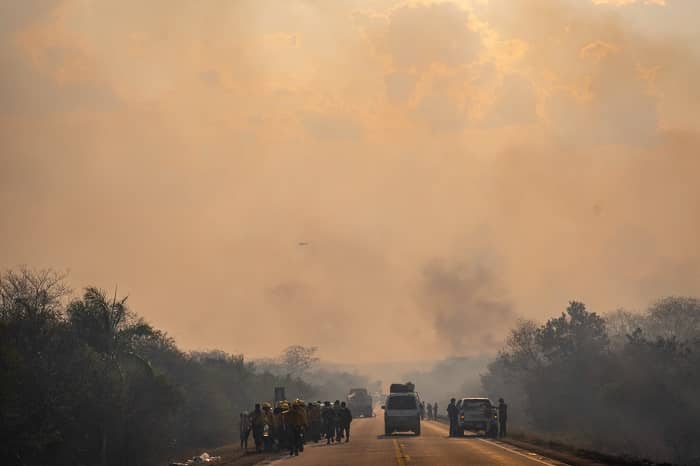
(453, 166)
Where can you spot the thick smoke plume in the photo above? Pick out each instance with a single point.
(185, 150)
(469, 311)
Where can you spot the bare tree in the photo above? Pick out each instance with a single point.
(674, 317)
(298, 359)
(25, 293)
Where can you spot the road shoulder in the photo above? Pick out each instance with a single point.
(563, 453)
(232, 455)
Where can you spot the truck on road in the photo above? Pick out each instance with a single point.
(360, 402)
(478, 414)
(402, 409)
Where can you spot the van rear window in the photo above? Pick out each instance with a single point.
(401, 402)
(473, 405)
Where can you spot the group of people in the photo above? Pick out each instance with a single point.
(291, 425)
(432, 411)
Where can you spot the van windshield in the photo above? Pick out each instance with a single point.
(401, 402)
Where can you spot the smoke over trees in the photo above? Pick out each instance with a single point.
(466, 304)
(626, 384)
(558, 138)
(89, 382)
(453, 375)
(329, 383)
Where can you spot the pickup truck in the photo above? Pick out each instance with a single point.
(478, 414)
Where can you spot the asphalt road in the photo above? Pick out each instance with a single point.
(369, 446)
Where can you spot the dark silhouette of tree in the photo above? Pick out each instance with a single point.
(109, 329)
(674, 317)
(636, 397)
(577, 333)
(26, 294)
(92, 383)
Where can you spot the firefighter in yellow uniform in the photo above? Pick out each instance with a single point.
(269, 427)
(280, 424)
(296, 422)
(314, 418)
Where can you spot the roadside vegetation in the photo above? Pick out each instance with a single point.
(624, 382)
(86, 381)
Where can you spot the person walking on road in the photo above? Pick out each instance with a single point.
(422, 410)
(314, 414)
(435, 411)
(257, 422)
(338, 423)
(244, 429)
(452, 414)
(430, 411)
(328, 417)
(278, 432)
(296, 422)
(268, 426)
(502, 417)
(345, 420)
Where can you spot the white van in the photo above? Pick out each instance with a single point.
(402, 413)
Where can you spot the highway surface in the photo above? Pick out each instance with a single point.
(369, 446)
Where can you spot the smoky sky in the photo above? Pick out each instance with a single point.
(467, 305)
(445, 162)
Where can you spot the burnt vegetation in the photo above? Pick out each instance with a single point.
(620, 383)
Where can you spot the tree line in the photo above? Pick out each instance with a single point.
(85, 381)
(624, 382)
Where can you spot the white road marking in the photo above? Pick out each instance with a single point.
(519, 453)
(528, 455)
